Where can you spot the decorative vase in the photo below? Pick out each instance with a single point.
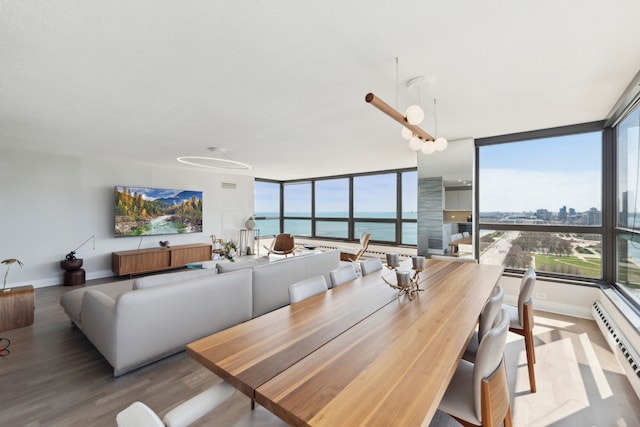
(250, 224)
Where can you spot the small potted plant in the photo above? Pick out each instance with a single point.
(8, 262)
(229, 250)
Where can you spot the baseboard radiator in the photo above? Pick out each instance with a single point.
(624, 351)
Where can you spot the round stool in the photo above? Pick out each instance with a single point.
(73, 275)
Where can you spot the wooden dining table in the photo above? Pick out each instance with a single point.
(464, 241)
(358, 354)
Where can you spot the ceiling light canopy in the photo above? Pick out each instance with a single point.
(219, 160)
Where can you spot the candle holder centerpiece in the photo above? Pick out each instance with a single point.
(405, 283)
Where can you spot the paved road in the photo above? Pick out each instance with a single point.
(497, 252)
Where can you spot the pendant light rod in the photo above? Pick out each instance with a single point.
(389, 111)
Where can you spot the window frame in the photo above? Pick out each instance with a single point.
(605, 208)
(398, 220)
(618, 230)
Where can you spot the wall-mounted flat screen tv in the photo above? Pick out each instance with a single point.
(144, 211)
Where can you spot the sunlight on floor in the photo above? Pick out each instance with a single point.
(566, 386)
(552, 323)
(596, 370)
(621, 423)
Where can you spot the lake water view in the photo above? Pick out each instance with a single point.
(384, 232)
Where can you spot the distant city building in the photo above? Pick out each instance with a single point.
(562, 214)
(544, 214)
(594, 217)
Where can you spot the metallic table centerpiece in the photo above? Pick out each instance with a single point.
(406, 284)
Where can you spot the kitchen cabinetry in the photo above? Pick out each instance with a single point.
(457, 200)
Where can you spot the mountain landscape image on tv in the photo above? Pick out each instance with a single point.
(143, 211)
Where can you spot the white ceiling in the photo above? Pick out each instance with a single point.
(281, 83)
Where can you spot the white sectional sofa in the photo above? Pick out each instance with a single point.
(134, 323)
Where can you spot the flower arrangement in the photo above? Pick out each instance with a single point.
(8, 262)
(229, 249)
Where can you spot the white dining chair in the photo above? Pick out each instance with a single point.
(478, 393)
(370, 265)
(188, 412)
(342, 275)
(307, 288)
(488, 318)
(521, 321)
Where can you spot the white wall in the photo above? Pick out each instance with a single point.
(554, 297)
(50, 204)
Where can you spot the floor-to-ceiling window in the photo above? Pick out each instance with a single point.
(540, 201)
(297, 208)
(341, 208)
(332, 208)
(628, 201)
(267, 206)
(375, 197)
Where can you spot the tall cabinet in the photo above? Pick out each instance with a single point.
(459, 200)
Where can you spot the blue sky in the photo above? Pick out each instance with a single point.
(373, 193)
(151, 193)
(544, 173)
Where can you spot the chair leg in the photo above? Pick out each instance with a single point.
(528, 342)
(507, 418)
(531, 359)
(533, 348)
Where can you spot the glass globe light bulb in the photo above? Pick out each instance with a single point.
(440, 144)
(428, 147)
(414, 115)
(415, 143)
(406, 133)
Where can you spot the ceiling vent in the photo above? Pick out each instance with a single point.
(229, 185)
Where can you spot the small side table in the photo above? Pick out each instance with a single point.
(73, 273)
(248, 240)
(17, 307)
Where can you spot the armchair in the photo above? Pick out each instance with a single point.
(283, 244)
(350, 253)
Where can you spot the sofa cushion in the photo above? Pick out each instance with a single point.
(72, 301)
(322, 264)
(271, 281)
(225, 267)
(166, 278)
(155, 322)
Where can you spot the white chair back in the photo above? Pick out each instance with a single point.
(489, 356)
(489, 314)
(342, 275)
(307, 288)
(198, 406)
(370, 265)
(526, 290)
(140, 415)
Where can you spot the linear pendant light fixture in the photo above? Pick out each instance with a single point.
(418, 138)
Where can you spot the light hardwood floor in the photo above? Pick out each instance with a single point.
(54, 377)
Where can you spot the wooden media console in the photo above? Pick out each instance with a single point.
(158, 259)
